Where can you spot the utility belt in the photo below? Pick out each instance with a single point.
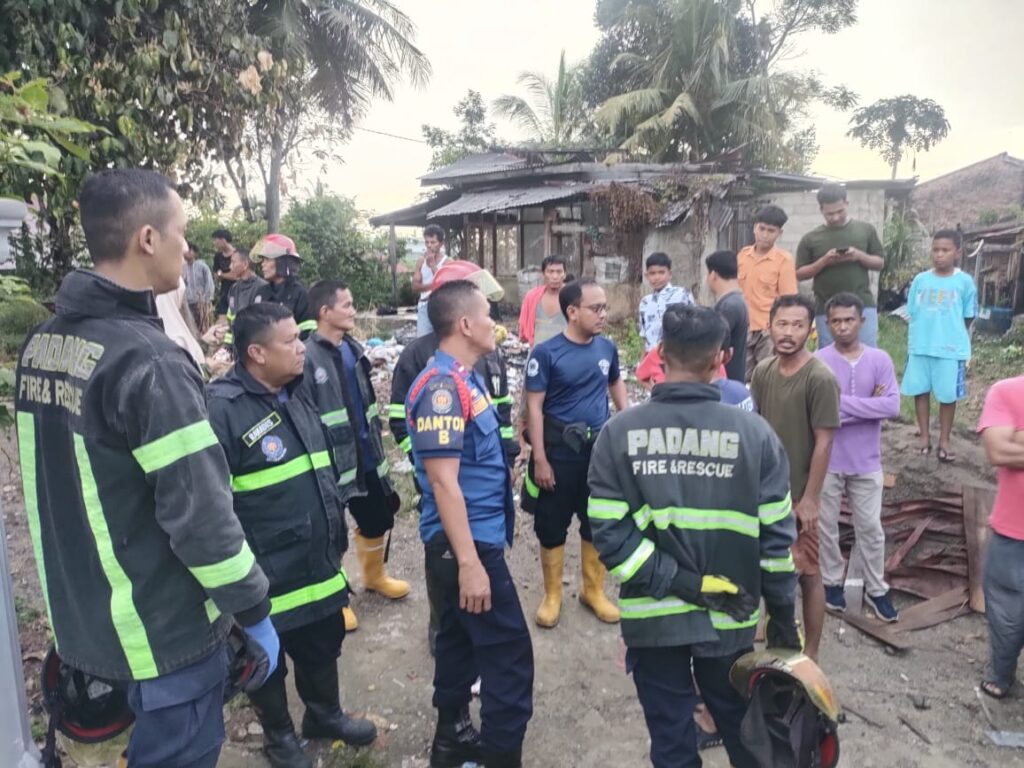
(577, 436)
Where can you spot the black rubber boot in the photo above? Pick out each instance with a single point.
(324, 718)
(456, 741)
(503, 759)
(280, 744)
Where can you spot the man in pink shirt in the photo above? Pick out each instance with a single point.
(1002, 432)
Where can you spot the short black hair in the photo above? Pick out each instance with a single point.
(572, 294)
(223, 234)
(772, 215)
(658, 259)
(254, 323)
(949, 234)
(115, 203)
(243, 255)
(433, 230)
(723, 264)
(550, 261)
(692, 335)
(845, 299)
(793, 300)
(324, 294)
(193, 247)
(831, 193)
(448, 303)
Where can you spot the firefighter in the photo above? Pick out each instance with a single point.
(279, 263)
(568, 380)
(490, 367)
(691, 511)
(466, 521)
(286, 496)
(337, 377)
(141, 560)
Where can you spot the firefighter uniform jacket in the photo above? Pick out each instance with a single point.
(292, 294)
(685, 481)
(140, 557)
(326, 385)
(492, 370)
(285, 492)
(241, 294)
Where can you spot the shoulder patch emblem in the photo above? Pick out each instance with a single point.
(273, 448)
(441, 401)
(533, 368)
(605, 366)
(320, 376)
(252, 437)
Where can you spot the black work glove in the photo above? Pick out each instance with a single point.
(782, 630)
(714, 592)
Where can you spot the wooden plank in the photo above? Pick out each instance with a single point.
(977, 507)
(926, 584)
(897, 557)
(927, 613)
(875, 629)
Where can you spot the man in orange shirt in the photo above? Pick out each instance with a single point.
(765, 273)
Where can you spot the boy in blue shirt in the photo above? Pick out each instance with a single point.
(941, 304)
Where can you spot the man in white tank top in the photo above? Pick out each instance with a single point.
(423, 274)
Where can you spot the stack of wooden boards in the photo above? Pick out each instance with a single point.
(939, 555)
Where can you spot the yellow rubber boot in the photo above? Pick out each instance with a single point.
(592, 595)
(371, 557)
(351, 622)
(552, 562)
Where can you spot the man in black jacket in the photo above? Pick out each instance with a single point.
(286, 496)
(141, 560)
(337, 379)
(280, 262)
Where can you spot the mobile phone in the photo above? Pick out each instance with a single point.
(842, 251)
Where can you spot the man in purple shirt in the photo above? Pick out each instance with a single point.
(869, 394)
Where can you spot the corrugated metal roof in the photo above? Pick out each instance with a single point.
(473, 165)
(495, 200)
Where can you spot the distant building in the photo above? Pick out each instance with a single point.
(976, 196)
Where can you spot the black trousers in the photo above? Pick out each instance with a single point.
(311, 646)
(372, 512)
(553, 510)
(494, 646)
(664, 685)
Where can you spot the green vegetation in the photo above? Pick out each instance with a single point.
(25, 612)
(626, 336)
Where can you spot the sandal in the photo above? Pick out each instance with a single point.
(707, 740)
(945, 456)
(988, 687)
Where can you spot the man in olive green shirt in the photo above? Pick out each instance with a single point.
(838, 256)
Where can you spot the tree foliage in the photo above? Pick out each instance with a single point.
(554, 112)
(895, 126)
(686, 79)
(475, 133)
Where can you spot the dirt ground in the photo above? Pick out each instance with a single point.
(586, 712)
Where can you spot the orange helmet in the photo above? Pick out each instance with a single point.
(466, 270)
(274, 246)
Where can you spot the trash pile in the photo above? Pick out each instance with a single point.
(939, 558)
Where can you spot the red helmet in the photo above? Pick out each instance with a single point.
(274, 246)
(454, 269)
(85, 708)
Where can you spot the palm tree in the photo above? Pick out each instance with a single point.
(554, 114)
(686, 102)
(347, 52)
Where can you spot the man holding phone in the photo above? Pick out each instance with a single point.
(839, 257)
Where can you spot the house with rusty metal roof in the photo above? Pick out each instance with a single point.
(508, 209)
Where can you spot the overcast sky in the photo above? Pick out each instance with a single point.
(965, 55)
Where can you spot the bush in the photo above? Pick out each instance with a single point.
(244, 233)
(18, 316)
(407, 297)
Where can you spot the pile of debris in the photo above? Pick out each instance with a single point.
(940, 546)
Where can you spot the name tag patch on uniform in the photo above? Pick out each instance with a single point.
(480, 403)
(273, 448)
(320, 376)
(253, 436)
(442, 401)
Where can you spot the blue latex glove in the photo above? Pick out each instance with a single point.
(266, 637)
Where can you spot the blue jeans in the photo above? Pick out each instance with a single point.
(179, 717)
(494, 646)
(1004, 607)
(868, 331)
(664, 684)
